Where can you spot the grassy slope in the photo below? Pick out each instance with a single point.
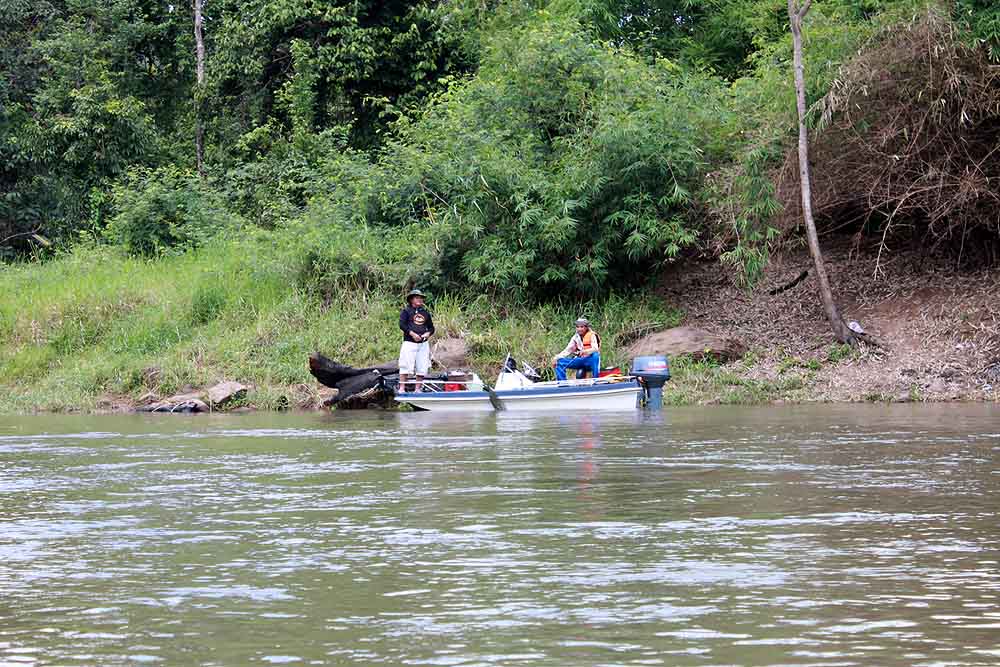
(94, 324)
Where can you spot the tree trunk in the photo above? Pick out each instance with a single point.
(199, 94)
(796, 13)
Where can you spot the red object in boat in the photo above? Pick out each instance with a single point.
(459, 381)
(611, 370)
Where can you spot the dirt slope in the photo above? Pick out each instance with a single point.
(939, 326)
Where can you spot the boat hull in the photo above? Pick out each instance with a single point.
(616, 396)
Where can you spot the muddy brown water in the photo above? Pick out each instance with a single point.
(818, 535)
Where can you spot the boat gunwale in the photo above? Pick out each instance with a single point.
(528, 392)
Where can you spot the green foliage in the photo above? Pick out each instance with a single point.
(79, 112)
(298, 96)
(274, 177)
(841, 351)
(159, 209)
(564, 165)
(97, 321)
(333, 257)
(208, 302)
(982, 20)
(334, 63)
(92, 89)
(717, 35)
(564, 149)
(749, 205)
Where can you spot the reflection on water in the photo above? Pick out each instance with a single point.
(794, 536)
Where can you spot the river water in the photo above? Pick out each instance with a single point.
(814, 535)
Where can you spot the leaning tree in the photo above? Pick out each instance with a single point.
(796, 13)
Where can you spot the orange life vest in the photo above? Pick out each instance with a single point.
(591, 341)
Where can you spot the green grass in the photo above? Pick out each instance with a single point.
(706, 381)
(95, 323)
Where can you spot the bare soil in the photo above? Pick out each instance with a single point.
(937, 325)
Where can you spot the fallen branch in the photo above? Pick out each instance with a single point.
(788, 286)
(34, 233)
(347, 380)
(330, 373)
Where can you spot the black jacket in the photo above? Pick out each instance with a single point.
(417, 320)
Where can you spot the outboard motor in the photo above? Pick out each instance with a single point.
(653, 373)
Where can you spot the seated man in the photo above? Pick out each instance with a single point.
(583, 353)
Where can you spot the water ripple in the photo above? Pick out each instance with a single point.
(813, 535)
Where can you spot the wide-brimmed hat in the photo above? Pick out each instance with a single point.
(583, 322)
(414, 292)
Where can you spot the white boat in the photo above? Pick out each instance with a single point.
(514, 391)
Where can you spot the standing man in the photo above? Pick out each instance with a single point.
(415, 353)
(582, 353)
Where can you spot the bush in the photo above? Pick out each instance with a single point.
(327, 254)
(563, 166)
(909, 145)
(159, 209)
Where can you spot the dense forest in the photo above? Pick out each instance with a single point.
(169, 168)
(521, 146)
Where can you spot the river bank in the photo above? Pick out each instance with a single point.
(95, 331)
(937, 325)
